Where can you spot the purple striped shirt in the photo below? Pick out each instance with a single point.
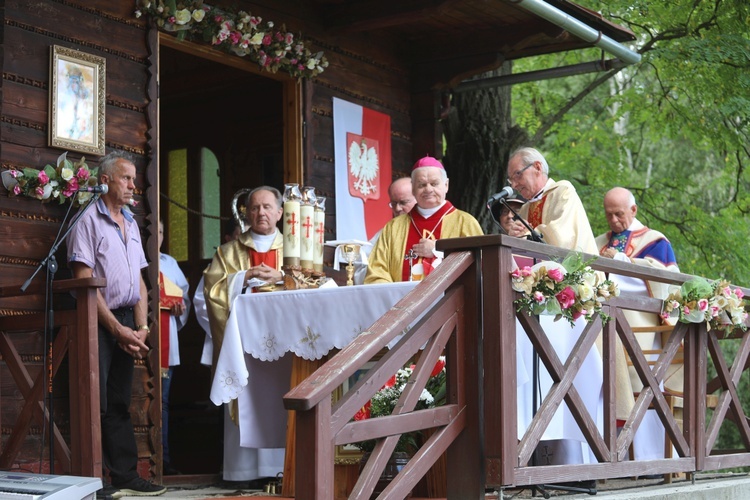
(96, 242)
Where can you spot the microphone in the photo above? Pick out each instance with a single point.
(99, 189)
(505, 193)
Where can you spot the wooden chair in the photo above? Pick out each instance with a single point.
(675, 400)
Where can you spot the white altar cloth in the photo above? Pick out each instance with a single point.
(588, 381)
(265, 326)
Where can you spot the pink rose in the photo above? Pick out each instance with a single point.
(566, 298)
(15, 173)
(71, 188)
(43, 177)
(267, 39)
(39, 192)
(539, 297)
(703, 305)
(526, 271)
(739, 293)
(555, 274)
(83, 174)
(16, 189)
(577, 314)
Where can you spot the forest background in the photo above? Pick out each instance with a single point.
(673, 128)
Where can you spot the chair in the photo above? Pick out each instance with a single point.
(673, 396)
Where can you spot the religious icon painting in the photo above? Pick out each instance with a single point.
(77, 101)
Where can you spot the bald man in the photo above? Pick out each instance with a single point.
(628, 240)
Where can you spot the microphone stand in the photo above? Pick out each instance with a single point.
(535, 382)
(50, 262)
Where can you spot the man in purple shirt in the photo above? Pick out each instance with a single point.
(106, 243)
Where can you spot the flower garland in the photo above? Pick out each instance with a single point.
(238, 32)
(60, 182)
(717, 303)
(384, 402)
(568, 290)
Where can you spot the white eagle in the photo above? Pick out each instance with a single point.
(363, 165)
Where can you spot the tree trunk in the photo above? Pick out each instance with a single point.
(479, 137)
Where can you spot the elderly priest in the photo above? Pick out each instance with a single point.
(407, 242)
(255, 257)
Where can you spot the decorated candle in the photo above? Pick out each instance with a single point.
(292, 198)
(307, 228)
(319, 223)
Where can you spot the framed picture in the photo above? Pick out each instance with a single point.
(77, 101)
(348, 454)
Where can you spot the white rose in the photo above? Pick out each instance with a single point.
(182, 16)
(198, 15)
(66, 173)
(585, 292)
(311, 64)
(257, 38)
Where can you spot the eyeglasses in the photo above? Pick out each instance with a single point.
(517, 175)
(402, 203)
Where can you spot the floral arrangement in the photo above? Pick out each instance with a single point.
(238, 32)
(568, 290)
(60, 182)
(717, 303)
(384, 402)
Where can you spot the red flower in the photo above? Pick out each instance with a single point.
(363, 413)
(566, 298)
(438, 368)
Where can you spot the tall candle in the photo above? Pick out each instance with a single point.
(307, 228)
(291, 225)
(319, 223)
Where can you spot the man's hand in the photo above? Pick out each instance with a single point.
(177, 309)
(424, 248)
(265, 273)
(609, 252)
(132, 341)
(517, 229)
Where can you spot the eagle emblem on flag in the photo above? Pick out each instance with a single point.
(363, 167)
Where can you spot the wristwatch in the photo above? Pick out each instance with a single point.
(145, 327)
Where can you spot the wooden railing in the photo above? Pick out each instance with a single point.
(76, 336)
(474, 320)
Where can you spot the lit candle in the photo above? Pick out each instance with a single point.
(320, 226)
(291, 225)
(307, 228)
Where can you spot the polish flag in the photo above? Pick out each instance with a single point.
(362, 145)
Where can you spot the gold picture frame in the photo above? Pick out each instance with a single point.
(77, 101)
(348, 454)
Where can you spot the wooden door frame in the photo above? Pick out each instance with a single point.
(292, 99)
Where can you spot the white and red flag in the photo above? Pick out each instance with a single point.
(362, 145)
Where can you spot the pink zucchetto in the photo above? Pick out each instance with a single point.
(428, 161)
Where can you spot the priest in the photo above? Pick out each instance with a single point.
(628, 240)
(406, 247)
(239, 266)
(555, 211)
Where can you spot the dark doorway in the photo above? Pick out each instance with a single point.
(221, 130)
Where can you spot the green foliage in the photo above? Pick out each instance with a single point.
(674, 129)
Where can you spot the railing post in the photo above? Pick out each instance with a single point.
(83, 354)
(465, 464)
(499, 348)
(314, 471)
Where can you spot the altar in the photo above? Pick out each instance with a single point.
(265, 329)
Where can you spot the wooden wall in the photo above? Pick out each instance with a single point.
(363, 71)
(28, 227)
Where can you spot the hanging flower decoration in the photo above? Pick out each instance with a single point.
(60, 182)
(384, 402)
(568, 290)
(717, 303)
(239, 33)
